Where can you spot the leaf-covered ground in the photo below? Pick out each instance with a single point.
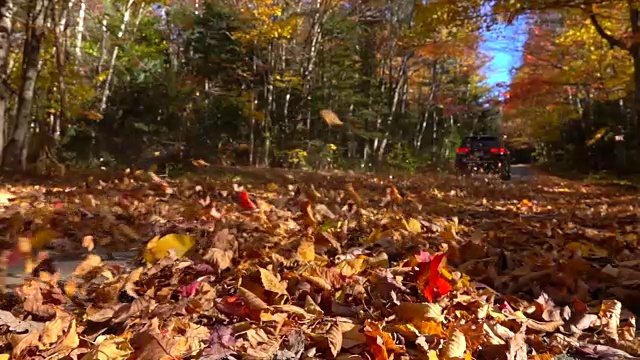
(283, 265)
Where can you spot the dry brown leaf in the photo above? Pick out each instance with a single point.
(353, 194)
(308, 217)
(89, 263)
(16, 325)
(311, 307)
(25, 342)
(54, 329)
(334, 339)
(153, 346)
(317, 281)
(34, 301)
(610, 314)
(220, 259)
(455, 346)
(518, 345)
(129, 232)
(549, 326)
(253, 301)
(410, 312)
(330, 117)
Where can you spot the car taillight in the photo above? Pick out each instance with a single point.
(462, 150)
(497, 150)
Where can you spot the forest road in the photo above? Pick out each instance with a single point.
(522, 172)
(66, 264)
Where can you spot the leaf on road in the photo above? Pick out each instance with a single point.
(447, 268)
(159, 247)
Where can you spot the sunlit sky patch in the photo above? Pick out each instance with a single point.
(504, 45)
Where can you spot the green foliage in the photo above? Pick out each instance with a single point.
(403, 78)
(402, 158)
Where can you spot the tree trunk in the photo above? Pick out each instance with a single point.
(60, 52)
(80, 29)
(114, 55)
(103, 43)
(6, 8)
(15, 151)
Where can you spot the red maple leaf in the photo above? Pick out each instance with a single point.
(430, 280)
(245, 201)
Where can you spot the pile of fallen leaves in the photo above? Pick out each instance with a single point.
(342, 267)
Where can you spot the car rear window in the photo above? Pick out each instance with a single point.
(480, 141)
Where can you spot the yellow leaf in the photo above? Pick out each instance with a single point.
(307, 251)
(586, 249)
(413, 226)
(89, 263)
(70, 288)
(158, 248)
(445, 273)
(352, 266)
(449, 233)
(110, 347)
(429, 327)
(408, 331)
(374, 236)
(271, 282)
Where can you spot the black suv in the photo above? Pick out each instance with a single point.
(483, 153)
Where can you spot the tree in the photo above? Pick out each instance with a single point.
(616, 22)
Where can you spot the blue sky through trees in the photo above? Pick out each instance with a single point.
(504, 45)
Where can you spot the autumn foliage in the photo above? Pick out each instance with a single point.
(321, 266)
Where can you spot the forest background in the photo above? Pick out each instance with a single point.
(314, 84)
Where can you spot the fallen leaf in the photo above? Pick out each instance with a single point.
(109, 347)
(219, 259)
(413, 226)
(455, 346)
(307, 251)
(159, 247)
(271, 283)
(245, 201)
(87, 243)
(334, 338)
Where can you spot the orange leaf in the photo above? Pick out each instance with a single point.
(379, 341)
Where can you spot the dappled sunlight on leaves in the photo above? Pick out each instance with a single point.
(331, 266)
